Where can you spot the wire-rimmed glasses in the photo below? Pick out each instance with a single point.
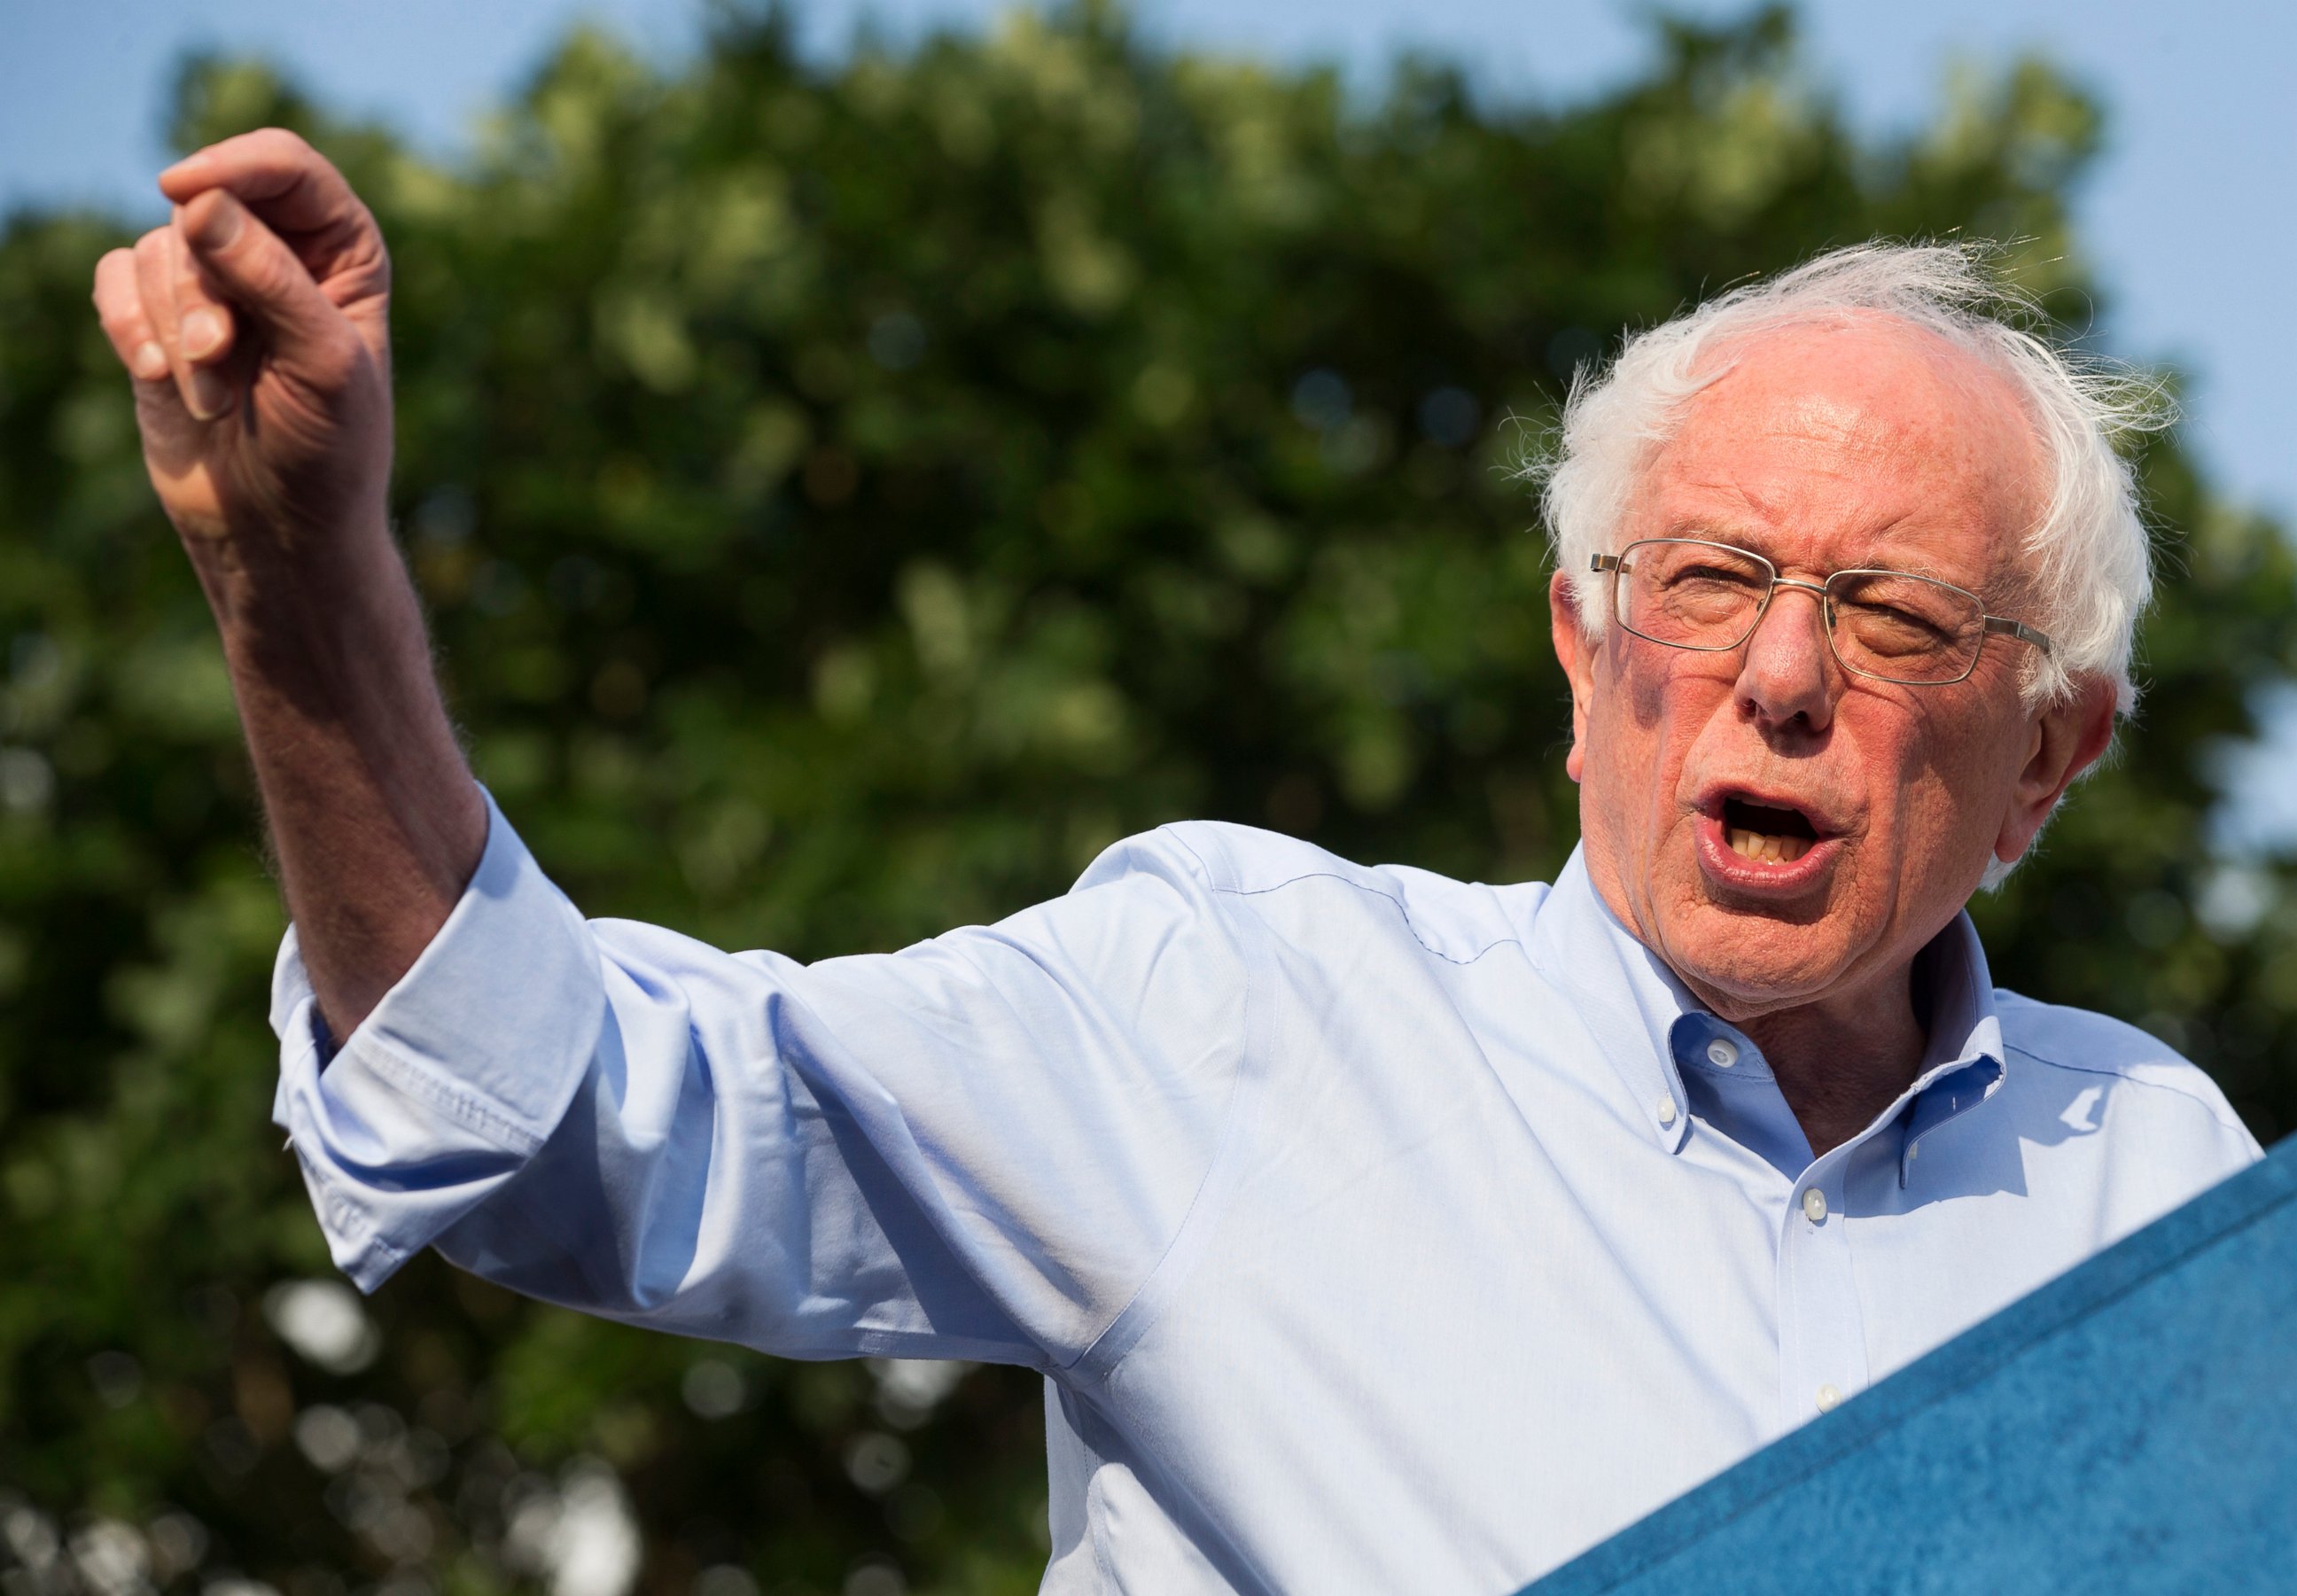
(1891, 625)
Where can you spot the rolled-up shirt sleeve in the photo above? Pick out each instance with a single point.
(978, 1147)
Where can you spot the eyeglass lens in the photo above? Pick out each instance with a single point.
(1885, 623)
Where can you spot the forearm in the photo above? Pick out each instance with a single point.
(375, 819)
(255, 326)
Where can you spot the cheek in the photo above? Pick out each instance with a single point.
(1643, 730)
(1944, 790)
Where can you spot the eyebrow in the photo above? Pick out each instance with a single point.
(1715, 530)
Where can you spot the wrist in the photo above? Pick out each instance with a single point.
(345, 724)
(283, 597)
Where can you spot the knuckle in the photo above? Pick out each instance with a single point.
(191, 294)
(112, 269)
(334, 356)
(264, 267)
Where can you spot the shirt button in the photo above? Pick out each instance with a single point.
(1814, 1209)
(1667, 1111)
(1722, 1053)
(1828, 1399)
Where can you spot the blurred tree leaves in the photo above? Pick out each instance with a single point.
(848, 497)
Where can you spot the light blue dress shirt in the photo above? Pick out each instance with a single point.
(1373, 1231)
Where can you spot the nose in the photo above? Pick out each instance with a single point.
(1787, 672)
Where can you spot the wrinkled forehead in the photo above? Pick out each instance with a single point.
(1860, 441)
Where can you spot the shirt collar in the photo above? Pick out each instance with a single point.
(1625, 996)
(1645, 1018)
(1964, 1063)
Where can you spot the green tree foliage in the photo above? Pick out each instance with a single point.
(848, 497)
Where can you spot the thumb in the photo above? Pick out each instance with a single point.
(251, 267)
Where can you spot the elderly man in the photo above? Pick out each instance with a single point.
(1372, 1232)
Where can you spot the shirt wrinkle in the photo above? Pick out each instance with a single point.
(1354, 1259)
(1124, 1327)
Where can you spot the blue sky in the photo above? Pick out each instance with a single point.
(2190, 218)
(2189, 221)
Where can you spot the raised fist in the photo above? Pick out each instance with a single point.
(255, 325)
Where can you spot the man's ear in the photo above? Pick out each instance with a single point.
(2068, 739)
(1575, 651)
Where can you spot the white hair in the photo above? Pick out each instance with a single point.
(2088, 553)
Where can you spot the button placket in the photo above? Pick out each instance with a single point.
(1822, 1329)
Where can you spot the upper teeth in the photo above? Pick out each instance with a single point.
(1756, 844)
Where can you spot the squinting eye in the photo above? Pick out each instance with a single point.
(1886, 628)
(1712, 574)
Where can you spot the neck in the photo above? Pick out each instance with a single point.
(1838, 1059)
(1839, 1062)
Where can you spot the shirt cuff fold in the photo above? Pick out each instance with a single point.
(456, 1078)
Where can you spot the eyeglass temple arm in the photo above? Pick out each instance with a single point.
(1607, 562)
(2004, 625)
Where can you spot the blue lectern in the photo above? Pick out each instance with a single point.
(2130, 1427)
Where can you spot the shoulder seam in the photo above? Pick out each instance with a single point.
(2171, 1087)
(1401, 909)
(1204, 870)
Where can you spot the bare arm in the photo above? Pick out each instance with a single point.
(255, 328)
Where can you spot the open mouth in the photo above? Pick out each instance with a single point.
(1757, 831)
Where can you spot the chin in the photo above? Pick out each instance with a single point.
(1755, 959)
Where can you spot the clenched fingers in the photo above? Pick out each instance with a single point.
(288, 183)
(191, 324)
(301, 198)
(119, 307)
(235, 253)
